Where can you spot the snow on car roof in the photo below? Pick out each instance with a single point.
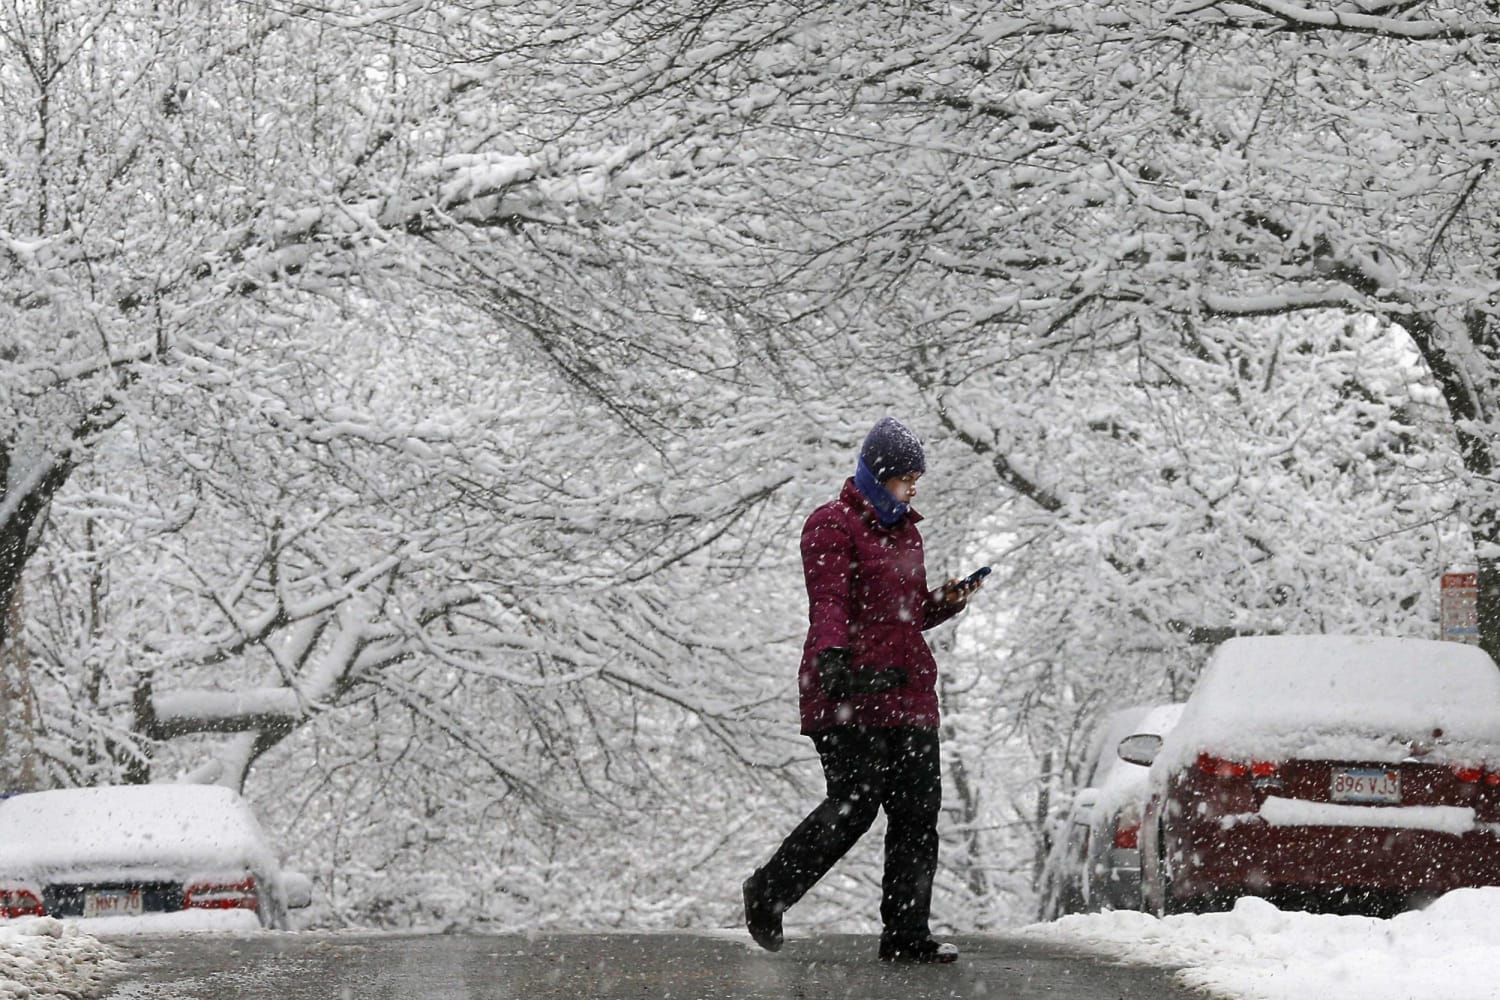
(1162, 719)
(168, 828)
(1116, 726)
(1327, 695)
(1125, 781)
(1132, 721)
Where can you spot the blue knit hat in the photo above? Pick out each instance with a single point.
(891, 449)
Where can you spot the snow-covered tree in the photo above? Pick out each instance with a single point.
(436, 383)
(1113, 249)
(1022, 188)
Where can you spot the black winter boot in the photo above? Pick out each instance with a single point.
(762, 917)
(918, 951)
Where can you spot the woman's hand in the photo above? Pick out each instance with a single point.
(956, 592)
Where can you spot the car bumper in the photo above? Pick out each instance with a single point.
(1254, 856)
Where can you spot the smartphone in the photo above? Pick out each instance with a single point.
(973, 578)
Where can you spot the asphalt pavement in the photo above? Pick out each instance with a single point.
(621, 966)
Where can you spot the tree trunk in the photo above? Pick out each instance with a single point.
(22, 518)
(17, 703)
(971, 863)
(1486, 537)
(1470, 408)
(1043, 810)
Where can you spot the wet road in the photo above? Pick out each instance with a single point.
(609, 967)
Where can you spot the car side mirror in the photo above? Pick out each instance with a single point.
(1141, 748)
(298, 889)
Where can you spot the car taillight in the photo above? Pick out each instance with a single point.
(1468, 775)
(1128, 826)
(221, 896)
(21, 903)
(1221, 767)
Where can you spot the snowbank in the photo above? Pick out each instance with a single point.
(1450, 950)
(42, 957)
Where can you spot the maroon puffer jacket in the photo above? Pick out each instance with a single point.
(867, 591)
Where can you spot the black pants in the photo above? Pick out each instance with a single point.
(869, 769)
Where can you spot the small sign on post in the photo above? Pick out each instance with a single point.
(1461, 607)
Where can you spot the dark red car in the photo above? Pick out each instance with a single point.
(1326, 772)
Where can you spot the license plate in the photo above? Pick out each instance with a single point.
(1365, 784)
(112, 903)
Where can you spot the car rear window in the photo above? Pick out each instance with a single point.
(166, 826)
(1274, 696)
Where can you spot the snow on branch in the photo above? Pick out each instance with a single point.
(1278, 303)
(180, 713)
(1004, 469)
(1357, 22)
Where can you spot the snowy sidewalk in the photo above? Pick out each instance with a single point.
(1449, 951)
(43, 957)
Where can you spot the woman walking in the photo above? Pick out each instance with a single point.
(868, 688)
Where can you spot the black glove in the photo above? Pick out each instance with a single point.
(839, 682)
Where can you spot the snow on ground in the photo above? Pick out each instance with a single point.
(44, 957)
(1448, 951)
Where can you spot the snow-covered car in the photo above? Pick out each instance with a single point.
(1094, 864)
(136, 851)
(1348, 773)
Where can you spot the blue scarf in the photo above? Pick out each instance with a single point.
(887, 508)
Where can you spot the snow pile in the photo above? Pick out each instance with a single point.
(44, 957)
(241, 922)
(1257, 952)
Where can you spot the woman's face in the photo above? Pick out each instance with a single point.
(903, 488)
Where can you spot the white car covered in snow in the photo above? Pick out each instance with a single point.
(190, 856)
(1094, 863)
